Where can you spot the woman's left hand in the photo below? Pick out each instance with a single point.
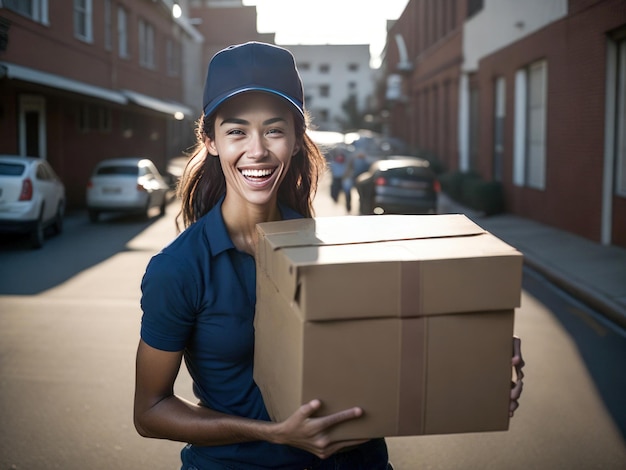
(518, 384)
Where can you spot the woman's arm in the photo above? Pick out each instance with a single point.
(158, 413)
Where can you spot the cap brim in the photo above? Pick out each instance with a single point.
(220, 100)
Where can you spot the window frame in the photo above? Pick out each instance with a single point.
(36, 10)
(146, 40)
(83, 20)
(531, 126)
(123, 50)
(620, 121)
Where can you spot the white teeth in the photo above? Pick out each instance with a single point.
(257, 173)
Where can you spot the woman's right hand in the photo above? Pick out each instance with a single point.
(310, 433)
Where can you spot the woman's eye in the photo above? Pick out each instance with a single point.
(234, 132)
(275, 131)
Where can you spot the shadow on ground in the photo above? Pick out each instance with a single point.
(601, 347)
(81, 245)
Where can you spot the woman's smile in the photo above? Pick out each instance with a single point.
(259, 178)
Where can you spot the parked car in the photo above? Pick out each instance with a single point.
(131, 185)
(398, 185)
(32, 197)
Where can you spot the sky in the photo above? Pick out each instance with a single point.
(328, 21)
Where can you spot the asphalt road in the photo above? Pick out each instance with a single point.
(69, 325)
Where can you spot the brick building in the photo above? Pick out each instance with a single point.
(535, 99)
(424, 57)
(80, 82)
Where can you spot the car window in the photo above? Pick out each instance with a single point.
(153, 170)
(51, 172)
(118, 170)
(12, 169)
(408, 172)
(42, 174)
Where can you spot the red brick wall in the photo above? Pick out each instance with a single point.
(54, 49)
(575, 51)
(433, 35)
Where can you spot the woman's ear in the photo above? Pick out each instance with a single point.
(296, 149)
(210, 146)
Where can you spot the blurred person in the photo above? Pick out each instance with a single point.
(338, 167)
(360, 164)
(253, 163)
(356, 164)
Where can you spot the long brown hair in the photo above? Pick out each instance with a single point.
(203, 184)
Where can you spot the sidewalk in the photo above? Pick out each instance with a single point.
(591, 272)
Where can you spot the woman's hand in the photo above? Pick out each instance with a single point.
(311, 434)
(518, 385)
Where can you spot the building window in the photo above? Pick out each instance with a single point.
(82, 20)
(146, 44)
(530, 126)
(108, 25)
(36, 10)
(94, 118)
(353, 67)
(499, 115)
(324, 68)
(172, 54)
(325, 91)
(304, 66)
(620, 124)
(122, 33)
(322, 115)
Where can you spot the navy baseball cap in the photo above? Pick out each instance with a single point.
(253, 66)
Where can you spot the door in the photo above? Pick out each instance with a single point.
(32, 126)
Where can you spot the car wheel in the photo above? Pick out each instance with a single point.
(37, 235)
(58, 220)
(93, 215)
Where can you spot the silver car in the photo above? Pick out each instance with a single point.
(126, 185)
(32, 197)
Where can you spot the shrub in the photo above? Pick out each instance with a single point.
(470, 190)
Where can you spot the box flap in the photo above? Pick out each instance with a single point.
(386, 266)
(342, 230)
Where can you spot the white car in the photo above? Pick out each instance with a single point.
(126, 185)
(32, 197)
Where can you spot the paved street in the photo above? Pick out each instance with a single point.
(69, 323)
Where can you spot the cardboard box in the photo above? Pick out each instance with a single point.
(409, 317)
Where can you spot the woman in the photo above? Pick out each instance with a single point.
(254, 163)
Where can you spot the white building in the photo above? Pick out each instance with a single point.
(330, 75)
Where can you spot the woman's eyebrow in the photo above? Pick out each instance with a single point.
(234, 120)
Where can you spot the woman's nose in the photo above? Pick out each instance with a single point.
(257, 148)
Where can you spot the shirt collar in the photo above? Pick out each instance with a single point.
(215, 228)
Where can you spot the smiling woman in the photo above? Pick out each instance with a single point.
(254, 162)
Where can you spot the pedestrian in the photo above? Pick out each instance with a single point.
(355, 165)
(338, 168)
(253, 163)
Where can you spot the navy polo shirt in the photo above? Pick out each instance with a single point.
(199, 295)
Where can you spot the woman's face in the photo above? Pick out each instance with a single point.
(255, 140)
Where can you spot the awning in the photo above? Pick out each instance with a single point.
(177, 110)
(18, 72)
